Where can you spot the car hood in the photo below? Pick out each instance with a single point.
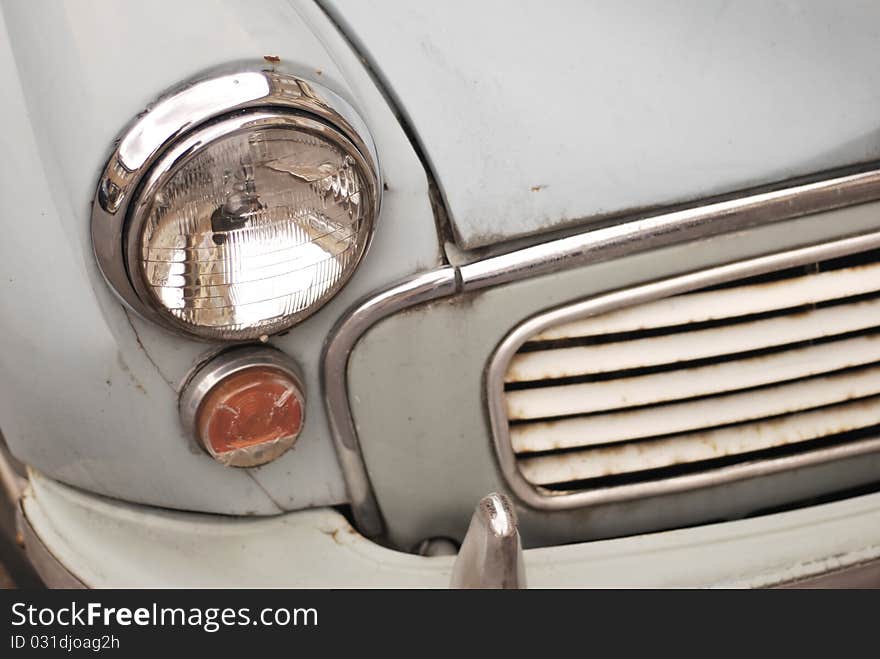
(537, 115)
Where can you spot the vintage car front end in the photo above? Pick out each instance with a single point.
(290, 288)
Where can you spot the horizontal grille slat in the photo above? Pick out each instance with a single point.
(697, 447)
(732, 372)
(682, 416)
(685, 345)
(726, 303)
(583, 398)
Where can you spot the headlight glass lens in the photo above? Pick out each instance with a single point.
(245, 234)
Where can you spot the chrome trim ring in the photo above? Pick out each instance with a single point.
(51, 570)
(438, 283)
(211, 373)
(542, 499)
(153, 140)
(670, 227)
(188, 147)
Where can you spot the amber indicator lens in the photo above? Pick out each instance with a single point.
(251, 416)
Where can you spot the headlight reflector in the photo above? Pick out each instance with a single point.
(251, 224)
(238, 206)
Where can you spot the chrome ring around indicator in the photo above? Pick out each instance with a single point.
(262, 94)
(221, 366)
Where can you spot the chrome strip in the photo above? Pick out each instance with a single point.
(415, 290)
(11, 483)
(861, 575)
(667, 228)
(539, 498)
(50, 569)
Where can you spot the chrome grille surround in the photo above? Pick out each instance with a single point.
(520, 473)
(655, 229)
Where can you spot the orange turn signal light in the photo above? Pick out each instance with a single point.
(255, 406)
(247, 409)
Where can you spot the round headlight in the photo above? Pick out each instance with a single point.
(250, 224)
(246, 223)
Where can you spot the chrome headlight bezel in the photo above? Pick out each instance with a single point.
(215, 105)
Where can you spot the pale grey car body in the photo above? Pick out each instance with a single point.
(498, 130)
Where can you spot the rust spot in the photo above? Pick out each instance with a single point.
(334, 534)
(537, 188)
(272, 59)
(125, 369)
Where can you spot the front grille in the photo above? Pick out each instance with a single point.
(752, 369)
